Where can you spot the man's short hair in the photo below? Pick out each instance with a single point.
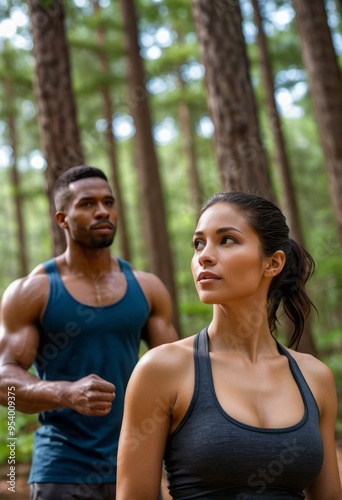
(61, 192)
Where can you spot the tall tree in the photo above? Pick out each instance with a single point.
(176, 18)
(111, 140)
(14, 174)
(17, 196)
(59, 132)
(189, 147)
(326, 90)
(282, 161)
(240, 153)
(154, 214)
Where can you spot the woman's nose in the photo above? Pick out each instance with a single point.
(207, 256)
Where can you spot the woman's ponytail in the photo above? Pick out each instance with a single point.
(289, 287)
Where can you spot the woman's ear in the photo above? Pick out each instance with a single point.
(275, 264)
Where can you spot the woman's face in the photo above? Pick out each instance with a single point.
(228, 264)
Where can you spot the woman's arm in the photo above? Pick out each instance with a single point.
(149, 401)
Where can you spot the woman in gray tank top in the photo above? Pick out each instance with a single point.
(231, 412)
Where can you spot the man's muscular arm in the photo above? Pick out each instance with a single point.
(21, 308)
(158, 329)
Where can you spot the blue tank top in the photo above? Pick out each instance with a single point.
(77, 340)
(213, 456)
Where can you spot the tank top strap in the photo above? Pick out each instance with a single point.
(126, 268)
(299, 378)
(134, 290)
(50, 267)
(54, 277)
(201, 343)
(203, 383)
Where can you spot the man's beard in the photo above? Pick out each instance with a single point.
(103, 242)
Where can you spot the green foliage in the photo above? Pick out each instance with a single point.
(25, 426)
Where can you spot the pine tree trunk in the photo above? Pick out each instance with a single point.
(241, 155)
(188, 141)
(55, 101)
(15, 182)
(326, 90)
(111, 145)
(21, 234)
(282, 162)
(289, 201)
(154, 214)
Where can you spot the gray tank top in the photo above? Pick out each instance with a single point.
(213, 456)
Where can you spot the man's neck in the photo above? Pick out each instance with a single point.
(91, 263)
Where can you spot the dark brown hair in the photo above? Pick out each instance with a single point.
(61, 192)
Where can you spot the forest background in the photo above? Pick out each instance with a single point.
(213, 98)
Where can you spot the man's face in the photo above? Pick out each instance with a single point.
(91, 216)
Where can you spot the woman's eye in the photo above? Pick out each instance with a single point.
(227, 239)
(198, 244)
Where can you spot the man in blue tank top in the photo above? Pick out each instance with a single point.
(78, 320)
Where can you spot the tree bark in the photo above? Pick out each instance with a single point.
(289, 199)
(338, 4)
(58, 127)
(188, 141)
(326, 90)
(154, 214)
(111, 145)
(15, 182)
(239, 149)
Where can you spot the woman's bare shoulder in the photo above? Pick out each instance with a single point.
(164, 365)
(161, 374)
(168, 356)
(317, 374)
(309, 364)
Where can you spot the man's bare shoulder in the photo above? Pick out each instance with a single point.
(145, 277)
(152, 286)
(33, 288)
(39, 270)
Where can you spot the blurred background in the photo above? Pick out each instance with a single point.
(174, 100)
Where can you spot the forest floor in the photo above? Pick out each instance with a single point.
(22, 489)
